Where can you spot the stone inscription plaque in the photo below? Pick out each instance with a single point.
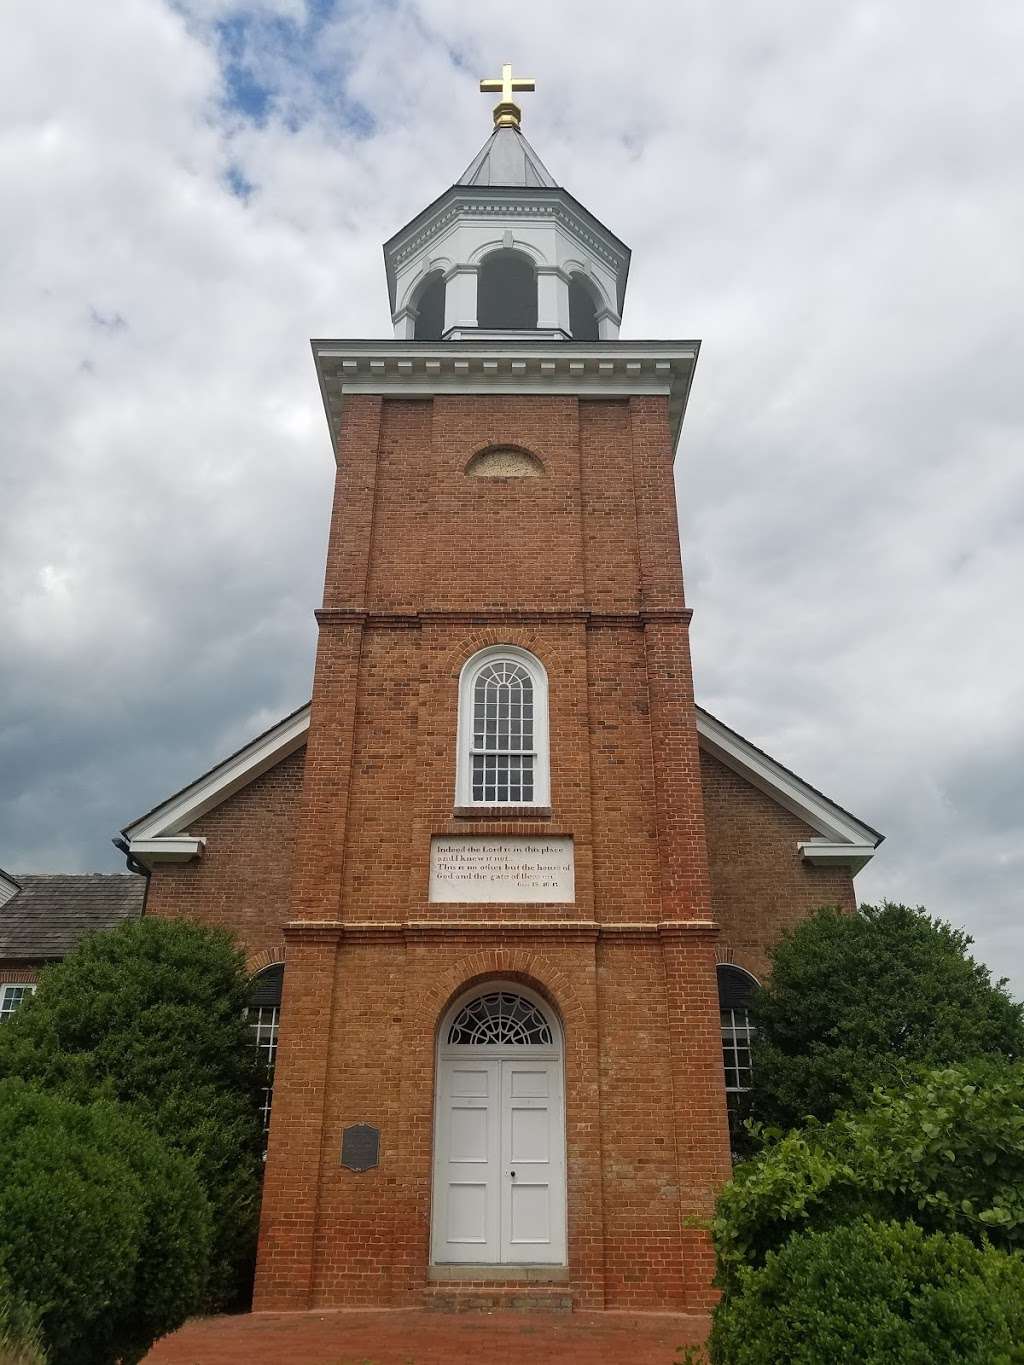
(360, 1147)
(489, 868)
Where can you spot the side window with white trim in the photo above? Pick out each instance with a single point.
(13, 995)
(735, 988)
(503, 730)
(264, 1016)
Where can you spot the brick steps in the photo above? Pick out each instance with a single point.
(498, 1298)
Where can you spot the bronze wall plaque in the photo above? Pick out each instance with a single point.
(360, 1147)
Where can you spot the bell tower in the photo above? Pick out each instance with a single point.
(500, 949)
(506, 253)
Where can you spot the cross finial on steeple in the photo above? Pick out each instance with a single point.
(507, 114)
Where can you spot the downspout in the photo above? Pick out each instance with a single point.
(133, 864)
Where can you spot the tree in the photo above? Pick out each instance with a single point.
(872, 998)
(946, 1153)
(152, 1014)
(104, 1232)
(875, 1293)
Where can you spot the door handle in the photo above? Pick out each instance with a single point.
(512, 1174)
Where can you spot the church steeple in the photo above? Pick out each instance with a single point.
(506, 253)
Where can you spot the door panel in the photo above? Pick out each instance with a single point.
(529, 1136)
(530, 1218)
(466, 1170)
(533, 1180)
(467, 1213)
(529, 1083)
(468, 1138)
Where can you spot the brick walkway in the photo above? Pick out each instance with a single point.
(415, 1337)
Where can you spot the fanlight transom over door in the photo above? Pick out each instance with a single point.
(499, 1141)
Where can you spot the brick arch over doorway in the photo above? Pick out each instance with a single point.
(541, 974)
(565, 979)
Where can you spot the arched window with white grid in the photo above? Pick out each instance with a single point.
(735, 988)
(264, 1016)
(503, 730)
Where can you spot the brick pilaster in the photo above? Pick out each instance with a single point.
(698, 1082)
(284, 1271)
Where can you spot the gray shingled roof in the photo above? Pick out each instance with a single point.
(53, 911)
(506, 158)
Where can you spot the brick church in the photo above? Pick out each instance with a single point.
(503, 887)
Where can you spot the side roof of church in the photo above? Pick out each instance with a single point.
(160, 835)
(49, 913)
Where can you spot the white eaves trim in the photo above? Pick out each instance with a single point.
(181, 848)
(843, 841)
(236, 772)
(823, 854)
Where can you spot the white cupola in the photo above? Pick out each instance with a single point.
(506, 253)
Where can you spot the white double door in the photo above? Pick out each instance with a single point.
(499, 1160)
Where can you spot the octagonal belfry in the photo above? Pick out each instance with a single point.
(506, 253)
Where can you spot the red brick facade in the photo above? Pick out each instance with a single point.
(427, 565)
(243, 883)
(759, 887)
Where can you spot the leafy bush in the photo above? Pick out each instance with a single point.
(872, 998)
(878, 1294)
(103, 1230)
(20, 1340)
(173, 1266)
(151, 1014)
(947, 1153)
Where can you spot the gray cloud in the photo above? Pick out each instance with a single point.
(830, 198)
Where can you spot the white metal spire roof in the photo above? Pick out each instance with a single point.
(506, 158)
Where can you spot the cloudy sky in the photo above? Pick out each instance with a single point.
(829, 196)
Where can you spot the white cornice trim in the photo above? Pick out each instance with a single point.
(177, 849)
(820, 853)
(598, 369)
(844, 840)
(824, 816)
(236, 772)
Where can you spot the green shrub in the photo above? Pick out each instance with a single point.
(877, 1294)
(173, 1267)
(152, 1014)
(872, 998)
(103, 1230)
(20, 1340)
(947, 1153)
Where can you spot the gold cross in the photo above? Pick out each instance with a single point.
(507, 114)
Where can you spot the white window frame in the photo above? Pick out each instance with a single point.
(738, 1032)
(29, 986)
(265, 1022)
(464, 740)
